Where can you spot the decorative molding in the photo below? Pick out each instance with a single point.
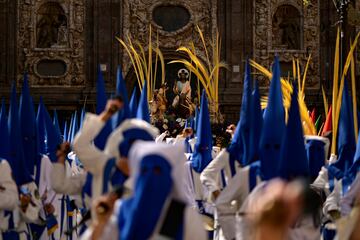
(137, 16)
(65, 41)
(264, 49)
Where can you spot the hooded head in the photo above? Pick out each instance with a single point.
(74, 127)
(28, 127)
(121, 139)
(133, 104)
(346, 144)
(235, 149)
(124, 113)
(65, 133)
(245, 123)
(293, 159)
(53, 138)
(82, 117)
(16, 157)
(101, 100)
(143, 108)
(158, 170)
(40, 127)
(4, 132)
(196, 119)
(317, 149)
(203, 147)
(56, 123)
(70, 129)
(257, 122)
(273, 127)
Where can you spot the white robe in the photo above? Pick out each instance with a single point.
(237, 190)
(322, 181)
(9, 197)
(45, 186)
(32, 213)
(211, 177)
(160, 138)
(194, 190)
(216, 177)
(68, 184)
(337, 201)
(93, 159)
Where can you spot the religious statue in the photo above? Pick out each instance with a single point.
(52, 30)
(290, 33)
(286, 27)
(158, 103)
(182, 89)
(62, 37)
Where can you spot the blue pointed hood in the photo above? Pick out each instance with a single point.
(82, 117)
(40, 127)
(142, 211)
(101, 97)
(356, 163)
(245, 123)
(16, 157)
(28, 127)
(238, 143)
(4, 133)
(74, 127)
(203, 147)
(124, 113)
(70, 128)
(65, 133)
(256, 120)
(133, 104)
(189, 122)
(235, 150)
(53, 138)
(143, 108)
(196, 119)
(273, 127)
(101, 100)
(56, 123)
(293, 159)
(316, 150)
(346, 144)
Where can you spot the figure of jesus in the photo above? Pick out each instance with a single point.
(182, 87)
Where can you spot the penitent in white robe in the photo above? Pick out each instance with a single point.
(338, 201)
(9, 198)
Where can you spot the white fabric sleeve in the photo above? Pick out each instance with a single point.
(189, 186)
(237, 189)
(210, 176)
(332, 202)
(160, 138)
(69, 185)
(92, 158)
(45, 179)
(322, 179)
(9, 196)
